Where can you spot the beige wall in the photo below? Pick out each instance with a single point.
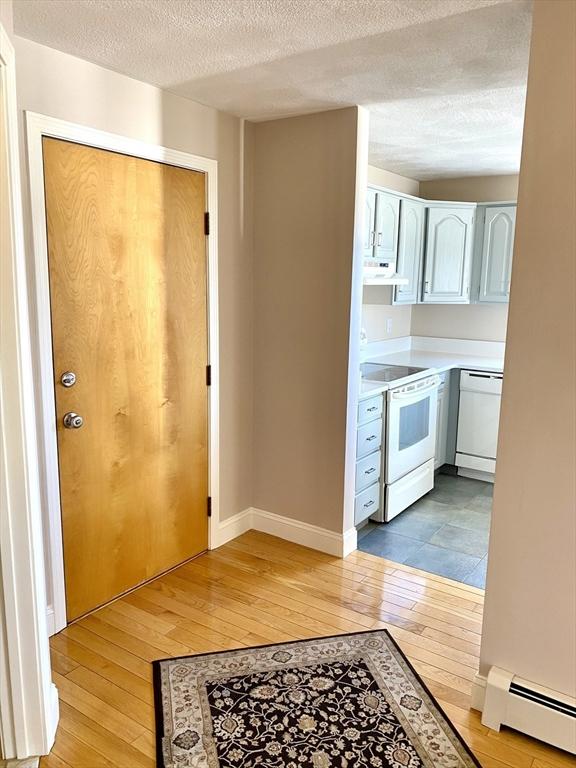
(471, 189)
(304, 195)
(66, 87)
(471, 321)
(530, 613)
(377, 306)
(377, 310)
(6, 16)
(486, 322)
(394, 181)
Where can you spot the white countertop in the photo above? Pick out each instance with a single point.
(433, 362)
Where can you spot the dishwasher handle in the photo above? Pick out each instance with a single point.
(487, 382)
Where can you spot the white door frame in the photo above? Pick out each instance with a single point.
(38, 126)
(28, 698)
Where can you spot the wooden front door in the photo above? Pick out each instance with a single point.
(127, 264)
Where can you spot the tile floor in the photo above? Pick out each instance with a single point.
(446, 532)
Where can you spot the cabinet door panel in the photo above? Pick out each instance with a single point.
(387, 220)
(369, 235)
(410, 246)
(448, 256)
(497, 250)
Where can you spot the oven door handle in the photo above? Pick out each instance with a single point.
(416, 393)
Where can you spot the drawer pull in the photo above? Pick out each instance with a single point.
(369, 471)
(372, 408)
(372, 437)
(369, 503)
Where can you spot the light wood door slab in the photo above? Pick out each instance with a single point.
(127, 263)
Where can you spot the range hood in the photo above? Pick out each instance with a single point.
(382, 274)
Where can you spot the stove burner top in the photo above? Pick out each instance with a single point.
(387, 373)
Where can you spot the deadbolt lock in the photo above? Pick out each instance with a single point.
(73, 420)
(68, 379)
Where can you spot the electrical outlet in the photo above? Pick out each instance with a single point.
(389, 326)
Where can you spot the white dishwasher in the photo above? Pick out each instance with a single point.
(478, 419)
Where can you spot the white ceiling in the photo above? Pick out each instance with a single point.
(444, 80)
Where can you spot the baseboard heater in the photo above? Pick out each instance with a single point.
(532, 709)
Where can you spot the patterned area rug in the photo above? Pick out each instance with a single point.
(350, 701)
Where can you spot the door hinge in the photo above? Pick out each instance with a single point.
(208, 375)
(209, 506)
(207, 223)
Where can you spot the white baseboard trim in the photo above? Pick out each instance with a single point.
(349, 541)
(50, 621)
(29, 762)
(232, 527)
(321, 539)
(478, 692)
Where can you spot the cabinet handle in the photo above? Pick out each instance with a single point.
(369, 503)
(372, 437)
(372, 408)
(372, 238)
(379, 239)
(369, 471)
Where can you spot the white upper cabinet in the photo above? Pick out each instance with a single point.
(448, 260)
(369, 237)
(387, 223)
(410, 249)
(497, 248)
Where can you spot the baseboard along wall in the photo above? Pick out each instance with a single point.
(253, 519)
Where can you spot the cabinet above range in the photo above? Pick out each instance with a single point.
(436, 252)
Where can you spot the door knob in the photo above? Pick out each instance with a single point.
(68, 379)
(73, 421)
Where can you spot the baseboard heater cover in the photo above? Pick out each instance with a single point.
(530, 708)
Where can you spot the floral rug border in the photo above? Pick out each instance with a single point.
(449, 730)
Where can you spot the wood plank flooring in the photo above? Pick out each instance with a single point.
(255, 590)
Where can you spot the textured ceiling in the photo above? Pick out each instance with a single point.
(444, 80)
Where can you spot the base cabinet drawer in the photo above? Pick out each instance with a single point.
(367, 503)
(370, 409)
(369, 438)
(368, 470)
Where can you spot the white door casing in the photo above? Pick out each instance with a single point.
(38, 126)
(28, 698)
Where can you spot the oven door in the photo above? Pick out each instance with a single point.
(411, 432)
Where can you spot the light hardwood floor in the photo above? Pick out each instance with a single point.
(259, 589)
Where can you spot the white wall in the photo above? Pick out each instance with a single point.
(530, 611)
(69, 88)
